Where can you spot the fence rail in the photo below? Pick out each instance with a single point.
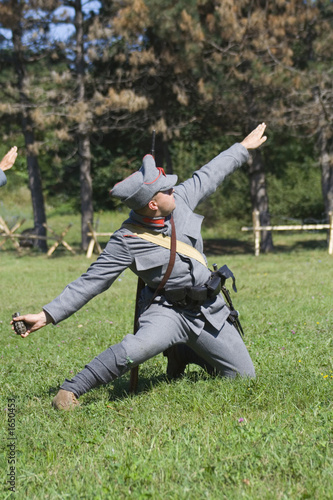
(257, 228)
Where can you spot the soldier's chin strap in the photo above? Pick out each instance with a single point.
(140, 286)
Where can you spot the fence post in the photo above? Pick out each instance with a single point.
(256, 225)
(330, 237)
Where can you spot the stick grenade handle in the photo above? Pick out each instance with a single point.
(153, 144)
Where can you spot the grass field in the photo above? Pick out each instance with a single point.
(196, 438)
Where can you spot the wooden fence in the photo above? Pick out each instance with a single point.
(94, 241)
(256, 228)
(9, 234)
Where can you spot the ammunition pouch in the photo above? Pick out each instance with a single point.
(195, 296)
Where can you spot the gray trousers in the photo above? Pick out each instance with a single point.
(159, 329)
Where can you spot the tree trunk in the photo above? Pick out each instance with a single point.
(326, 163)
(35, 181)
(87, 211)
(259, 198)
(35, 185)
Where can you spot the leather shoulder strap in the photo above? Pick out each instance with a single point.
(165, 241)
(172, 259)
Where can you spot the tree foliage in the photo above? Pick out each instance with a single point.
(201, 73)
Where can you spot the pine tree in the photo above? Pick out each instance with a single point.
(91, 99)
(251, 49)
(308, 105)
(22, 20)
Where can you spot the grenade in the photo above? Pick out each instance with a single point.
(19, 326)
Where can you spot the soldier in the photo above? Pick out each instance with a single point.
(6, 163)
(182, 311)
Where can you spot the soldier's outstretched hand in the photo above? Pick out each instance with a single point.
(33, 322)
(255, 138)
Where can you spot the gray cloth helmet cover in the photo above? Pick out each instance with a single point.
(140, 187)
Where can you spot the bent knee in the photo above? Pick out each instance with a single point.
(244, 372)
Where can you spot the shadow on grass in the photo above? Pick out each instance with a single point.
(239, 247)
(35, 252)
(308, 245)
(119, 389)
(121, 386)
(227, 247)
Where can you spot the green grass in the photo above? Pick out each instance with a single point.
(196, 438)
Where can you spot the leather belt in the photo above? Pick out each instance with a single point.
(192, 297)
(189, 297)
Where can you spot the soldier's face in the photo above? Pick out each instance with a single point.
(165, 202)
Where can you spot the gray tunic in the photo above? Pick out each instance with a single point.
(149, 260)
(3, 178)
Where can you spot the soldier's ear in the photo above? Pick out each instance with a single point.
(153, 205)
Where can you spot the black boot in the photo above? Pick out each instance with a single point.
(179, 356)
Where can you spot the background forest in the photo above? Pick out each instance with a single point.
(84, 83)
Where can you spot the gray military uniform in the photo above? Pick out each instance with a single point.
(161, 325)
(3, 178)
